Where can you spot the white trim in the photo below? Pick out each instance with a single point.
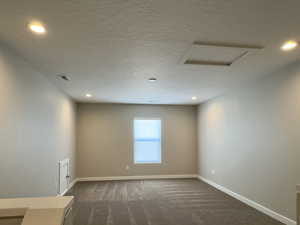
(251, 203)
(147, 177)
(69, 187)
(180, 176)
(61, 162)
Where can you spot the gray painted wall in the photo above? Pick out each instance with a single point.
(36, 130)
(251, 139)
(104, 139)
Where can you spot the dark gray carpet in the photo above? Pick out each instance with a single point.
(160, 202)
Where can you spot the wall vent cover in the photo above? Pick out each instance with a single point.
(211, 54)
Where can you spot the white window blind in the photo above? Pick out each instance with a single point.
(147, 141)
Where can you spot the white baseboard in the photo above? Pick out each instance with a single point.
(69, 187)
(251, 203)
(147, 177)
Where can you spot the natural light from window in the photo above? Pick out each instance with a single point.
(147, 141)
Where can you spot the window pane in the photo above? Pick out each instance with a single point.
(147, 141)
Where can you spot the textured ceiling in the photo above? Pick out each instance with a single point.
(110, 48)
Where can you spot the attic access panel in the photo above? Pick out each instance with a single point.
(216, 54)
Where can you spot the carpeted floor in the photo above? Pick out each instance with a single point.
(160, 202)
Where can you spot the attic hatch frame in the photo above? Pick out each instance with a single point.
(246, 50)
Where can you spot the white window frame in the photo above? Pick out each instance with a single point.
(161, 140)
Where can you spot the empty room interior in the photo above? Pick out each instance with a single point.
(149, 112)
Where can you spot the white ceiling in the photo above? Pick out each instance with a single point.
(110, 48)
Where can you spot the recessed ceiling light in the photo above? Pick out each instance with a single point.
(37, 28)
(194, 98)
(152, 79)
(289, 45)
(88, 95)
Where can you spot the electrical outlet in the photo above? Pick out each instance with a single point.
(213, 172)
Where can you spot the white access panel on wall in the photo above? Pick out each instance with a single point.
(63, 175)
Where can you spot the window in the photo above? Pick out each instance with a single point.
(147, 141)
